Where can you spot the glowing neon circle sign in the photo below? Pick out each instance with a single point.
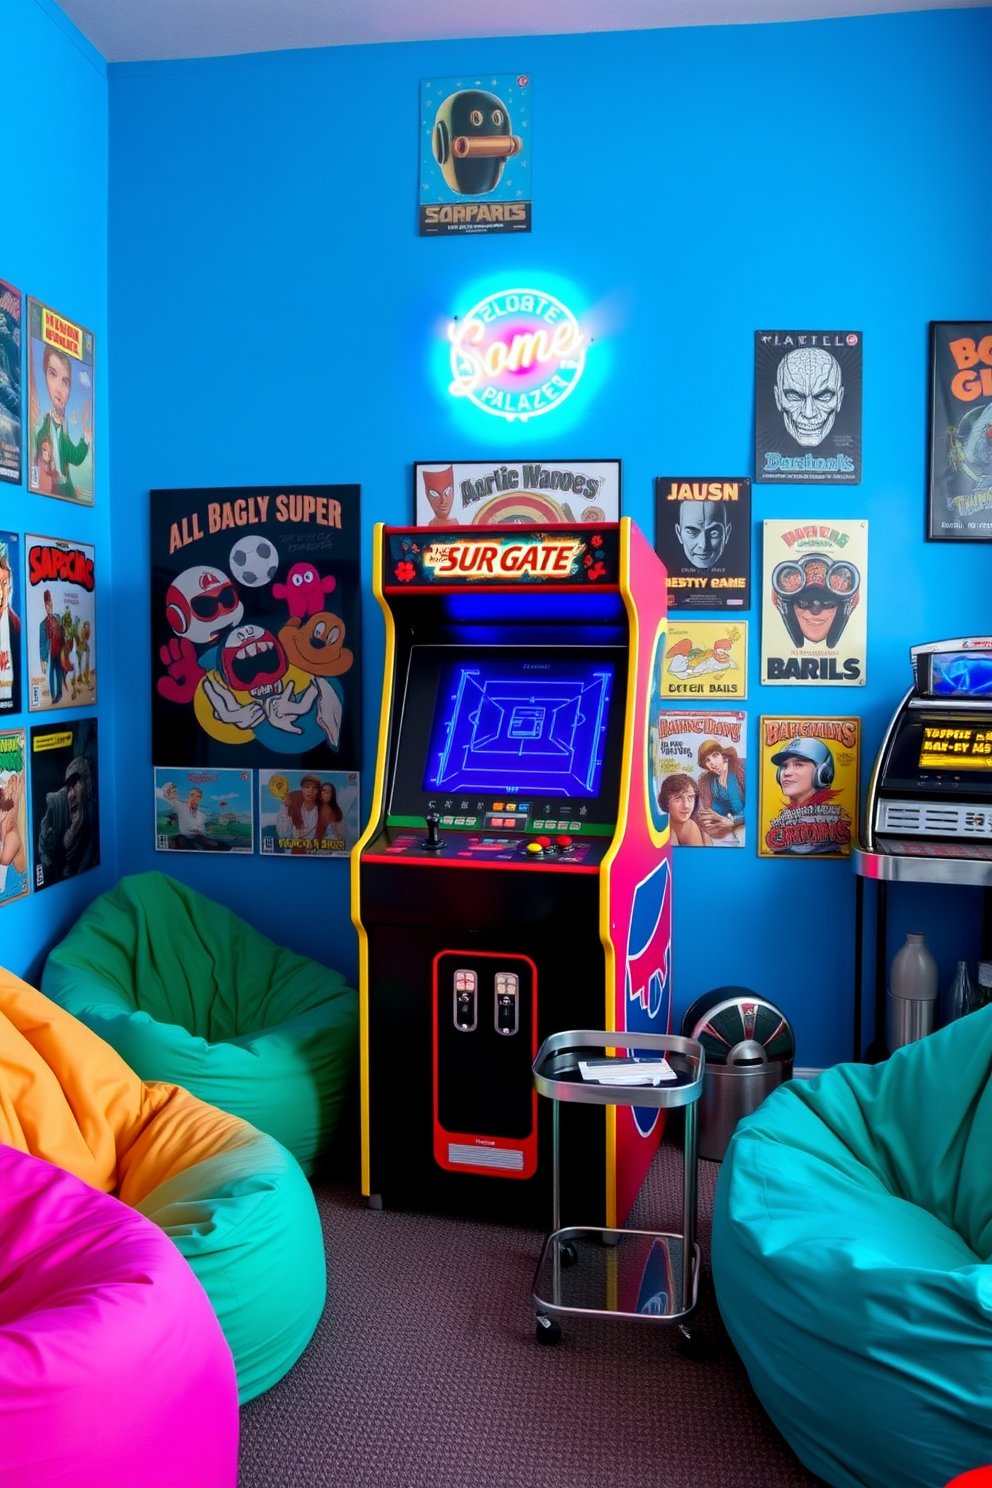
(516, 354)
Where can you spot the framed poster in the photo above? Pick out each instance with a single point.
(204, 810)
(14, 881)
(807, 406)
(705, 659)
(60, 406)
(10, 383)
(959, 498)
(702, 535)
(308, 814)
(65, 805)
(475, 154)
(448, 493)
(60, 614)
(808, 803)
(814, 603)
(700, 775)
(10, 623)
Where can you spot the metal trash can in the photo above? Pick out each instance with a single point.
(749, 1051)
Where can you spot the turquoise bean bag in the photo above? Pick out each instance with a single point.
(188, 993)
(852, 1236)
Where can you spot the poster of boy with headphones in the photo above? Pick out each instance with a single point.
(814, 603)
(808, 803)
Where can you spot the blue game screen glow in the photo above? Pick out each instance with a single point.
(961, 674)
(520, 726)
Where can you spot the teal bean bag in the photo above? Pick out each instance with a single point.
(852, 1236)
(187, 992)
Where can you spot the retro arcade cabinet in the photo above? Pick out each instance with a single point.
(515, 877)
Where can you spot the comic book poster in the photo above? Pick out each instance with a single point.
(308, 814)
(807, 406)
(10, 623)
(699, 762)
(14, 881)
(65, 802)
(256, 633)
(448, 494)
(475, 149)
(702, 535)
(960, 490)
(204, 810)
(705, 659)
(808, 789)
(60, 406)
(10, 382)
(814, 603)
(60, 615)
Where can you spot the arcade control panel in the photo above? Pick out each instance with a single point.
(437, 842)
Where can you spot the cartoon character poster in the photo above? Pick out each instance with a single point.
(255, 627)
(10, 383)
(516, 492)
(65, 807)
(308, 814)
(705, 659)
(807, 406)
(809, 787)
(204, 810)
(703, 537)
(814, 603)
(960, 504)
(10, 623)
(60, 614)
(475, 154)
(60, 406)
(14, 881)
(699, 765)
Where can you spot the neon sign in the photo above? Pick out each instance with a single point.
(546, 557)
(516, 354)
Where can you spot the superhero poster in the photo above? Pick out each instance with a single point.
(10, 383)
(702, 535)
(807, 406)
(543, 493)
(475, 149)
(65, 814)
(60, 615)
(705, 659)
(808, 789)
(308, 814)
(10, 623)
(814, 603)
(60, 406)
(256, 628)
(960, 490)
(699, 769)
(14, 881)
(204, 810)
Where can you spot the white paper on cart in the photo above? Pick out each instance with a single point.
(627, 1071)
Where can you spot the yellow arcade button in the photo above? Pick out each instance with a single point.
(534, 847)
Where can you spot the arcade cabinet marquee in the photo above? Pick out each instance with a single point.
(515, 878)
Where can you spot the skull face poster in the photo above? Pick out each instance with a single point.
(807, 406)
(255, 627)
(814, 603)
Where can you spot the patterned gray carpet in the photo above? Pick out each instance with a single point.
(424, 1371)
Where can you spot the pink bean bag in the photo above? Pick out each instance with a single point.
(114, 1372)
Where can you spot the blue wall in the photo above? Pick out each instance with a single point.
(690, 186)
(53, 245)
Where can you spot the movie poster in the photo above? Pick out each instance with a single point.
(705, 659)
(814, 603)
(703, 537)
(60, 406)
(807, 406)
(256, 633)
(809, 781)
(475, 149)
(308, 814)
(60, 614)
(699, 763)
(204, 810)
(10, 623)
(14, 881)
(10, 383)
(547, 492)
(960, 504)
(65, 813)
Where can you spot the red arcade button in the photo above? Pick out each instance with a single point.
(978, 1477)
(543, 841)
(564, 841)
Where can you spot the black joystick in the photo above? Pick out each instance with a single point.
(432, 841)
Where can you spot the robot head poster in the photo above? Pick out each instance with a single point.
(255, 627)
(475, 154)
(807, 406)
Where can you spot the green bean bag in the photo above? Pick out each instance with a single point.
(852, 1236)
(187, 992)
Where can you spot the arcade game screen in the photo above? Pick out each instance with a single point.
(960, 674)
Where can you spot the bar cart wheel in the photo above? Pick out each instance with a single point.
(547, 1330)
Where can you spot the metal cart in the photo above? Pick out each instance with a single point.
(622, 1273)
